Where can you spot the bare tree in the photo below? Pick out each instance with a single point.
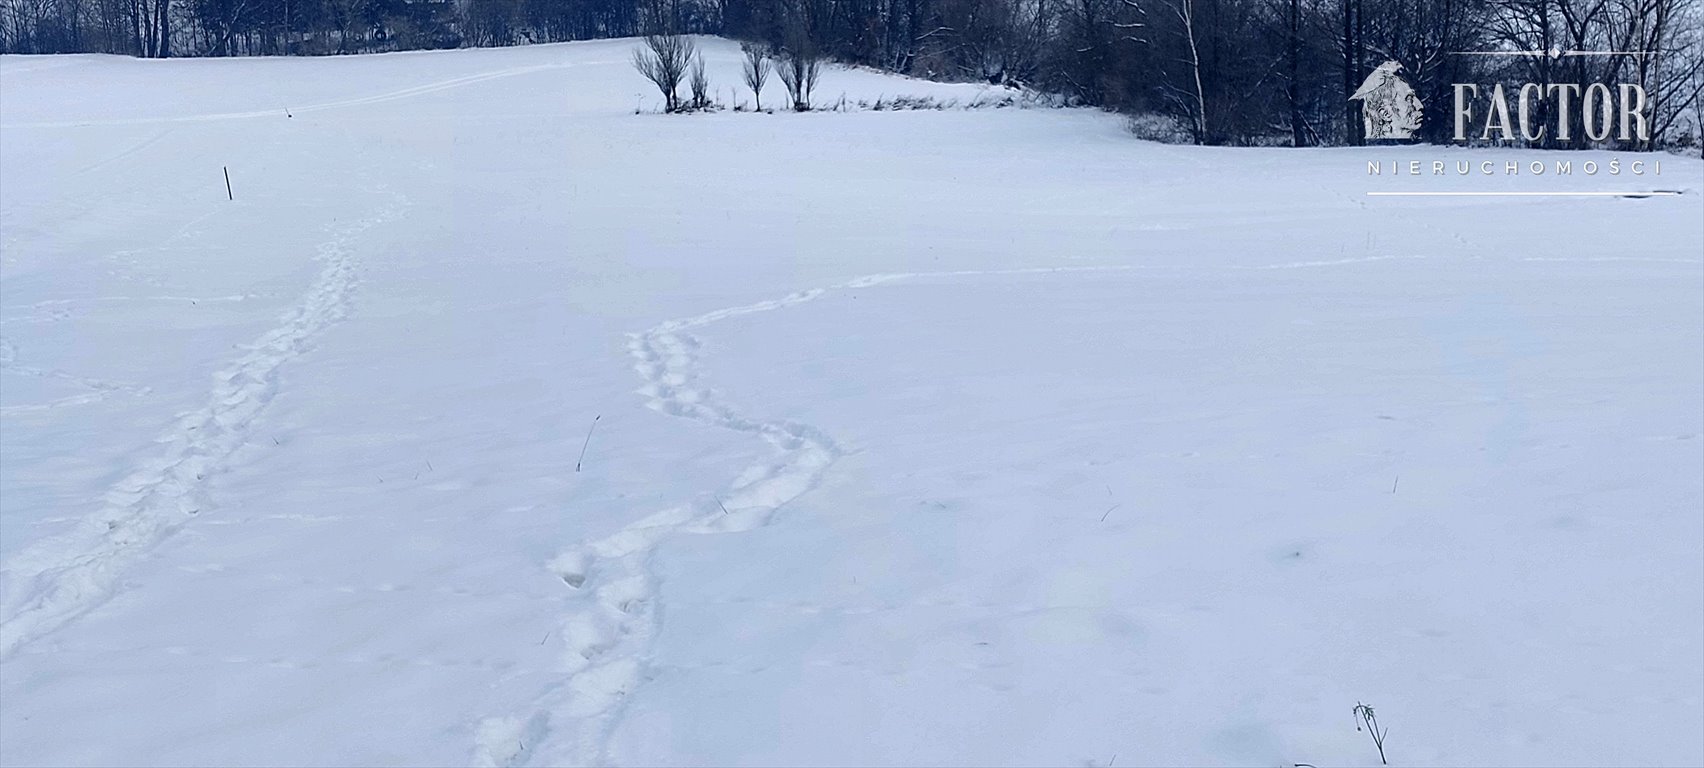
(801, 59)
(164, 9)
(1696, 81)
(664, 61)
(756, 70)
(1353, 69)
(799, 70)
(1292, 83)
(1185, 10)
(1667, 38)
(700, 83)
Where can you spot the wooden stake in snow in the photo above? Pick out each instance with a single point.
(228, 194)
(588, 442)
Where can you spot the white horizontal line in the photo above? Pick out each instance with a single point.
(1553, 53)
(1634, 193)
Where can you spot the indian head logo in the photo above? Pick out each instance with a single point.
(1389, 107)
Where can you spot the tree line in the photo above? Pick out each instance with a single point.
(1218, 71)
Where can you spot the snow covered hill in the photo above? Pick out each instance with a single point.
(935, 437)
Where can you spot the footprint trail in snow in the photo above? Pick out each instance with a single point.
(58, 579)
(611, 613)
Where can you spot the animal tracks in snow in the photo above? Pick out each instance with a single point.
(94, 389)
(610, 616)
(54, 581)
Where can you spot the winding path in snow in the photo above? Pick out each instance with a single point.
(610, 617)
(54, 581)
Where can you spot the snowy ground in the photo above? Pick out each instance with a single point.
(961, 437)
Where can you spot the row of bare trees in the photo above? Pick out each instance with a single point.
(162, 28)
(1222, 71)
(1264, 71)
(668, 60)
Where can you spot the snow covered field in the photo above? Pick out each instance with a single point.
(958, 437)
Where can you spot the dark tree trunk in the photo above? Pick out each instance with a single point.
(1354, 66)
(1298, 137)
(136, 27)
(165, 49)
